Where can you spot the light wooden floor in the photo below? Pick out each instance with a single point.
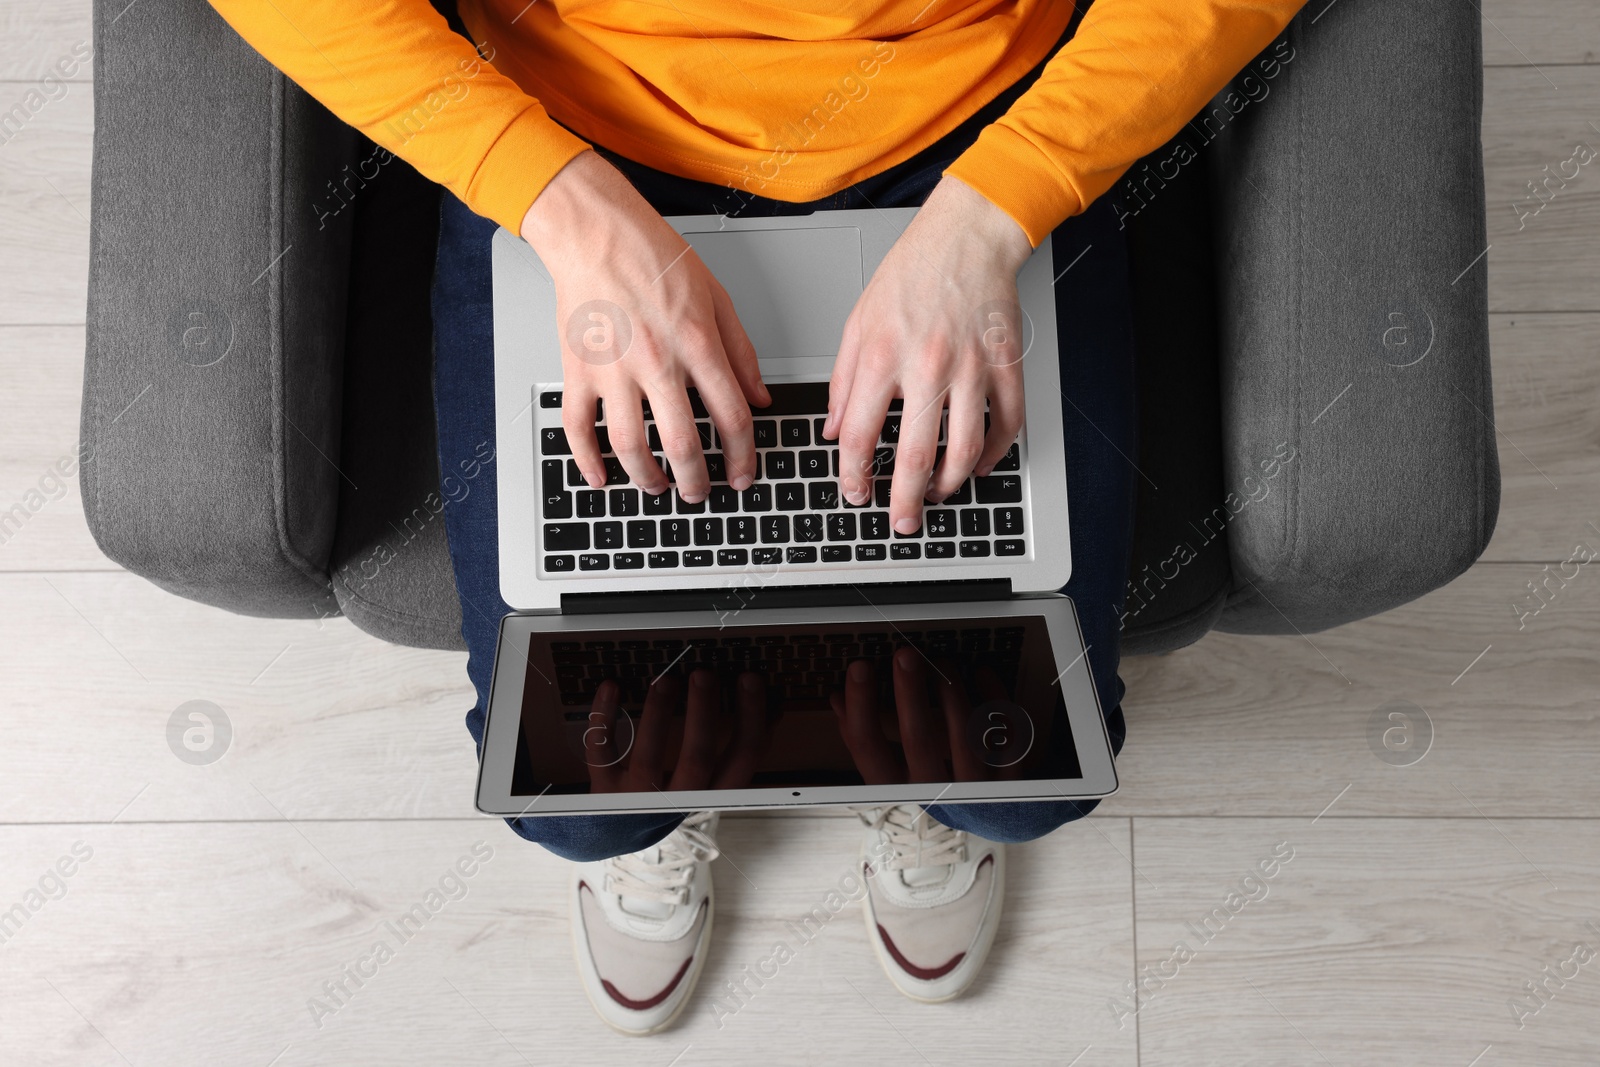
(215, 901)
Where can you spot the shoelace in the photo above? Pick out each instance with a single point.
(664, 880)
(919, 840)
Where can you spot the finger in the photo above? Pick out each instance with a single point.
(963, 444)
(730, 414)
(680, 441)
(577, 418)
(625, 417)
(859, 429)
(919, 733)
(750, 736)
(650, 746)
(913, 461)
(1005, 417)
(742, 355)
(873, 756)
(600, 739)
(839, 382)
(697, 756)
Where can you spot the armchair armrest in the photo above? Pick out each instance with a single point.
(215, 337)
(1354, 315)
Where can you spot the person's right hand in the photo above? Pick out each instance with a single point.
(662, 323)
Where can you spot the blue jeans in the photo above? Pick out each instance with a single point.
(1094, 318)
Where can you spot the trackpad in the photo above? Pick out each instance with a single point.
(792, 288)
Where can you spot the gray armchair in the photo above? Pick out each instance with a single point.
(1316, 443)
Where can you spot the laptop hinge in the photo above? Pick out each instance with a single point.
(736, 598)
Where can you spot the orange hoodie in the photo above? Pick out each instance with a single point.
(792, 101)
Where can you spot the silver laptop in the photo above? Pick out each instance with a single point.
(628, 610)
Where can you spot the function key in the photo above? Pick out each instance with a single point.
(872, 553)
(629, 561)
(941, 549)
(835, 553)
(801, 555)
(594, 561)
(905, 550)
(663, 559)
(697, 559)
(558, 564)
(766, 557)
(974, 548)
(732, 557)
(1011, 547)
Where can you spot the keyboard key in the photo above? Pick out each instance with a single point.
(758, 498)
(716, 467)
(883, 462)
(550, 400)
(554, 493)
(662, 559)
(1010, 548)
(608, 535)
(652, 437)
(615, 475)
(1011, 461)
(801, 555)
(675, 533)
(704, 430)
(659, 504)
(708, 531)
(1000, 489)
(774, 529)
(780, 466)
(794, 433)
(814, 464)
(591, 504)
(594, 561)
(558, 564)
(940, 522)
(874, 526)
(558, 506)
(974, 548)
(880, 492)
(835, 553)
(816, 430)
(824, 496)
(574, 477)
(723, 499)
(974, 522)
(553, 442)
(941, 549)
(642, 533)
(732, 557)
(628, 561)
(807, 527)
(602, 437)
(962, 495)
(791, 497)
(697, 559)
(766, 557)
(742, 530)
(686, 508)
(841, 526)
(766, 432)
(871, 553)
(566, 536)
(1008, 521)
(696, 405)
(905, 550)
(624, 502)
(891, 430)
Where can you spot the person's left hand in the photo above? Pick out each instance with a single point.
(937, 325)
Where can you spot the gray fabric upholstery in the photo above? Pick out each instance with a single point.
(217, 481)
(1350, 206)
(391, 564)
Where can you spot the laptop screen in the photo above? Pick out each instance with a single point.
(777, 706)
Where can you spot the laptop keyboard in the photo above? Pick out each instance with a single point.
(793, 515)
(797, 667)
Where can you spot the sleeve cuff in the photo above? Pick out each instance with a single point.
(1012, 174)
(523, 159)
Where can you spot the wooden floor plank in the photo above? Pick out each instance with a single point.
(205, 945)
(1523, 32)
(34, 36)
(44, 212)
(1378, 941)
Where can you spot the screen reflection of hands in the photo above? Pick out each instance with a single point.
(701, 761)
(913, 741)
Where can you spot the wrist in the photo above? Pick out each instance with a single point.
(567, 200)
(970, 212)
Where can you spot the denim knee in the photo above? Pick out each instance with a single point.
(584, 838)
(1012, 822)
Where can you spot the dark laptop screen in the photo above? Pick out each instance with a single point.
(774, 706)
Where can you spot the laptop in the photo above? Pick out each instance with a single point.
(777, 646)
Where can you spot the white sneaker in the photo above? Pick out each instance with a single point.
(933, 900)
(641, 924)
